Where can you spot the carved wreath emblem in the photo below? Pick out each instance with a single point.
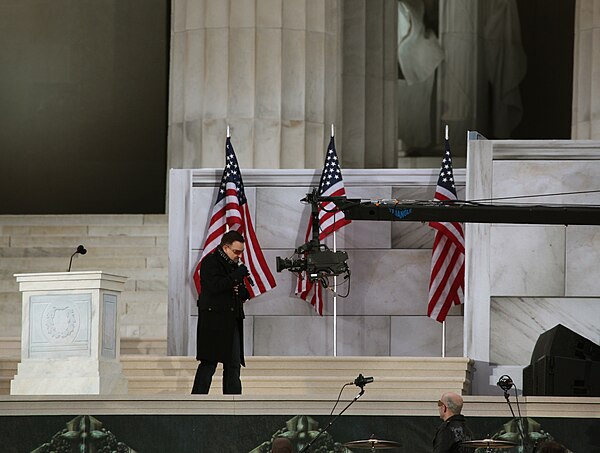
(59, 322)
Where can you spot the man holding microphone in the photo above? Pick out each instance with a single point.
(220, 335)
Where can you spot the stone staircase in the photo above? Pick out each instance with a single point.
(298, 376)
(292, 376)
(134, 246)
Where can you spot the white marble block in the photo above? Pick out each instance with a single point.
(70, 335)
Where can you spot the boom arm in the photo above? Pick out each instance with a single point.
(460, 211)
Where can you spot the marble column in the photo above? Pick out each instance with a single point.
(369, 83)
(271, 69)
(585, 122)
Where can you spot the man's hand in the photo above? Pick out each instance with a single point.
(240, 272)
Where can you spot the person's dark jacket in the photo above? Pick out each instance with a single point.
(219, 308)
(450, 434)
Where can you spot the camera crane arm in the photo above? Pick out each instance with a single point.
(461, 211)
(319, 262)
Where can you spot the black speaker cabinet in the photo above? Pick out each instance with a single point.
(561, 341)
(562, 376)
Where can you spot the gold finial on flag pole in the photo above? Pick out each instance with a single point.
(446, 132)
(332, 130)
(228, 133)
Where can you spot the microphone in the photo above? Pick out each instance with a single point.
(361, 381)
(505, 383)
(249, 277)
(81, 250)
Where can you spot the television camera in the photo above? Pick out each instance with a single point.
(319, 262)
(316, 259)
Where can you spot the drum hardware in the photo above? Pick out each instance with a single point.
(372, 444)
(488, 444)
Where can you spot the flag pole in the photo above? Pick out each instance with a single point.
(228, 136)
(334, 280)
(334, 303)
(444, 338)
(444, 322)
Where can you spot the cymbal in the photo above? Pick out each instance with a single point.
(488, 443)
(372, 444)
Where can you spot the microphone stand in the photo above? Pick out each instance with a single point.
(362, 391)
(519, 420)
(71, 260)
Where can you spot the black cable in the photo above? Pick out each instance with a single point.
(338, 398)
(523, 431)
(347, 280)
(520, 197)
(485, 201)
(518, 421)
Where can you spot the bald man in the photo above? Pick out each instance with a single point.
(453, 430)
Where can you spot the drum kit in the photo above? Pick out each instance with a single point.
(488, 444)
(376, 444)
(372, 444)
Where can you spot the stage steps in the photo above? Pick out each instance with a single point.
(306, 375)
(132, 245)
(294, 376)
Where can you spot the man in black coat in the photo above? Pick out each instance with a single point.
(453, 430)
(220, 336)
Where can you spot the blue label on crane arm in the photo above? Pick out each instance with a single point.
(400, 213)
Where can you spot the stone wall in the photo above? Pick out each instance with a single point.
(522, 280)
(385, 313)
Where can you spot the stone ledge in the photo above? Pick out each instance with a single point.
(475, 406)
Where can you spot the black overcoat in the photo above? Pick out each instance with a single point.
(219, 310)
(450, 434)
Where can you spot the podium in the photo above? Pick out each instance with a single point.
(70, 340)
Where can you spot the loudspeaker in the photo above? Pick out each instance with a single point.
(528, 387)
(561, 341)
(562, 376)
(563, 363)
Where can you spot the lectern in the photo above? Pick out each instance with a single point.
(70, 334)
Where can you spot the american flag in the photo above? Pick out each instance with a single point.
(330, 220)
(231, 212)
(446, 286)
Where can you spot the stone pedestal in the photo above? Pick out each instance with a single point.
(70, 334)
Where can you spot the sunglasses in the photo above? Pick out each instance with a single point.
(440, 404)
(235, 251)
